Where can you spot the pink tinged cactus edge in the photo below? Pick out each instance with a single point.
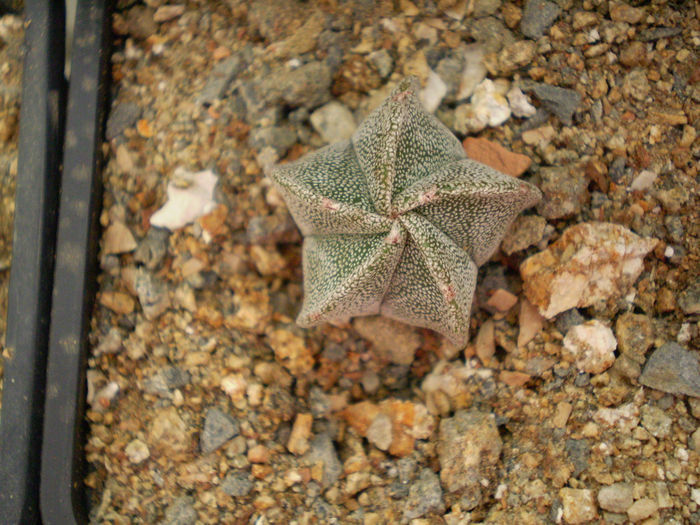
(397, 220)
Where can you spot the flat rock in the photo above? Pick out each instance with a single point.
(560, 101)
(218, 429)
(672, 369)
(618, 497)
(591, 262)
(306, 86)
(424, 496)
(496, 156)
(468, 448)
(538, 16)
(219, 79)
(122, 116)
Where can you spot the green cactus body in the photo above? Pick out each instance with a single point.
(397, 220)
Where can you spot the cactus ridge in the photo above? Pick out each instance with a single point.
(397, 220)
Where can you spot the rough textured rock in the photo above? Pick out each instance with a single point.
(218, 429)
(617, 497)
(560, 101)
(468, 449)
(538, 16)
(578, 505)
(590, 262)
(592, 346)
(425, 495)
(397, 342)
(564, 189)
(672, 369)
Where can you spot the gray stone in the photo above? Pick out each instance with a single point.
(656, 421)
(122, 116)
(689, 299)
(165, 380)
(565, 190)
(307, 86)
(618, 497)
(279, 138)
(560, 101)
(219, 79)
(491, 33)
(322, 449)
(152, 294)
(538, 16)
(180, 512)
(382, 62)
(153, 247)
(672, 369)
(218, 429)
(237, 484)
(484, 8)
(674, 228)
(424, 496)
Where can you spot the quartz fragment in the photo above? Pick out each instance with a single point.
(591, 262)
(190, 195)
(591, 345)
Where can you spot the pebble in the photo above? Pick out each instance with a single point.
(180, 512)
(334, 122)
(169, 432)
(689, 299)
(306, 86)
(279, 138)
(473, 72)
(382, 62)
(634, 54)
(525, 231)
(578, 505)
(624, 418)
(152, 293)
(485, 343)
(219, 79)
(590, 262)
(530, 323)
(122, 116)
(672, 369)
(424, 496)
(190, 196)
(642, 509)
(560, 101)
(468, 448)
(137, 451)
(321, 451)
(152, 248)
(656, 421)
(635, 334)
(502, 300)
(565, 191)
(117, 238)
(237, 484)
(391, 340)
(617, 497)
(644, 180)
(218, 429)
(592, 346)
(621, 12)
(513, 56)
(434, 91)
(118, 302)
(488, 107)
(291, 351)
(379, 432)
(298, 442)
(496, 156)
(519, 103)
(635, 85)
(538, 16)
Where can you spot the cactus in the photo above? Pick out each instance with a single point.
(397, 220)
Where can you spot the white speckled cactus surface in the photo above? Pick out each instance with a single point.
(397, 219)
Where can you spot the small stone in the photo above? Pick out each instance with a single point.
(592, 346)
(298, 442)
(656, 421)
(152, 248)
(306, 86)
(634, 54)
(538, 16)
(190, 196)
(641, 509)
(137, 451)
(584, 19)
(560, 101)
(218, 429)
(488, 107)
(590, 262)
(672, 369)
(391, 340)
(618, 497)
(578, 505)
(379, 432)
(355, 482)
(122, 116)
(322, 452)
(485, 344)
(382, 62)
(169, 432)
(180, 512)
(334, 122)
(168, 12)
(643, 181)
(519, 103)
(502, 300)
(434, 91)
(140, 23)
(635, 334)
(237, 484)
(525, 231)
(531, 322)
(469, 447)
(219, 80)
(620, 12)
(292, 351)
(118, 302)
(561, 414)
(424, 496)
(539, 137)
(474, 71)
(516, 55)
(117, 239)
(689, 299)
(565, 191)
(152, 293)
(624, 418)
(279, 138)
(496, 156)
(484, 8)
(259, 454)
(694, 441)
(635, 85)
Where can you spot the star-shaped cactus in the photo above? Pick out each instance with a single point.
(397, 219)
